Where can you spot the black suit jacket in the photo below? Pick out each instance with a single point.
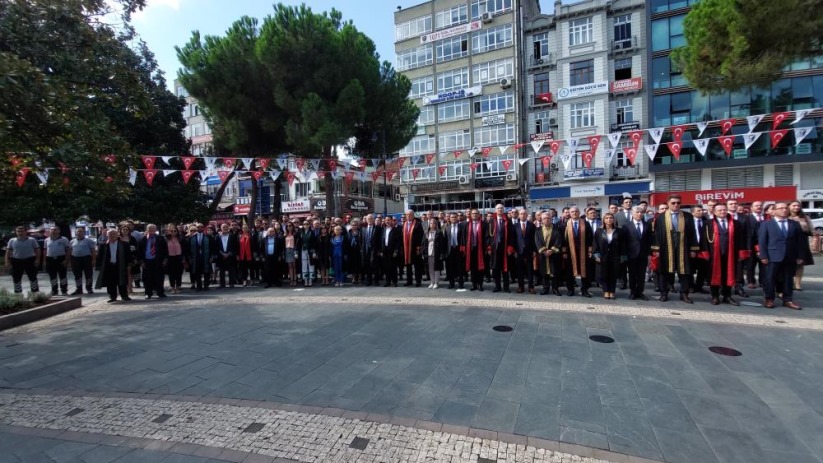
(525, 242)
(391, 250)
(231, 248)
(637, 247)
(161, 248)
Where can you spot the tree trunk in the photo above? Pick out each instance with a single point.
(218, 196)
(255, 192)
(331, 210)
(277, 206)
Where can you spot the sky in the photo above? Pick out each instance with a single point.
(164, 24)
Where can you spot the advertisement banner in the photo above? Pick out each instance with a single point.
(575, 91)
(627, 85)
(742, 195)
(451, 32)
(302, 205)
(454, 95)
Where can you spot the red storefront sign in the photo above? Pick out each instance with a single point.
(627, 85)
(742, 195)
(242, 209)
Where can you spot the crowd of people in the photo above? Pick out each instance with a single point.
(715, 246)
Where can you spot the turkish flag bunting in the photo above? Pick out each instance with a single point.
(415, 173)
(349, 176)
(21, 176)
(187, 175)
(777, 135)
(392, 175)
(486, 151)
(401, 161)
(457, 154)
(257, 174)
(636, 137)
(546, 160)
(778, 118)
(300, 163)
(442, 170)
(541, 177)
(429, 158)
(587, 159)
(149, 161)
(374, 176)
(263, 162)
(223, 175)
(150, 174)
(15, 161)
(321, 174)
(63, 168)
(110, 158)
(507, 164)
(188, 161)
(675, 148)
(594, 142)
(726, 125)
(677, 134)
(473, 166)
(290, 178)
(228, 163)
(554, 147)
(363, 166)
(727, 142)
(332, 164)
(631, 154)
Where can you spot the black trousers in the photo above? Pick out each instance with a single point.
(779, 279)
(112, 282)
(228, 265)
(174, 269)
(477, 274)
(498, 273)
(80, 267)
(525, 270)
(455, 265)
(390, 270)
(752, 264)
(271, 271)
(153, 277)
(21, 266)
(667, 282)
(56, 268)
(201, 274)
(722, 290)
(702, 272)
(417, 265)
(637, 274)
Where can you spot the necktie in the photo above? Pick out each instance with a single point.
(153, 248)
(454, 236)
(674, 221)
(639, 230)
(523, 228)
(723, 224)
(575, 227)
(783, 228)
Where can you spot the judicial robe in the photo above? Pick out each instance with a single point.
(730, 246)
(674, 248)
(549, 238)
(577, 249)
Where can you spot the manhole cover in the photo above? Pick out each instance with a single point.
(675, 313)
(590, 308)
(75, 411)
(601, 339)
(359, 443)
(503, 328)
(750, 303)
(518, 303)
(728, 351)
(780, 321)
(254, 427)
(162, 418)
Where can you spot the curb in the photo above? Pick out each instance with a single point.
(60, 305)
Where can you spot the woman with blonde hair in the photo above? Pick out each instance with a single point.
(174, 263)
(805, 252)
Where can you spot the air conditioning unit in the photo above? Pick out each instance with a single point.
(486, 17)
(397, 197)
(511, 177)
(618, 45)
(539, 60)
(463, 180)
(505, 83)
(552, 121)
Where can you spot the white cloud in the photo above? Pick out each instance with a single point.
(153, 5)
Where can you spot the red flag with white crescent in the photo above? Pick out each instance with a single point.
(587, 159)
(332, 164)
(442, 170)
(110, 158)
(228, 163)
(778, 118)
(429, 158)
(392, 175)
(636, 137)
(726, 125)
(541, 177)
(257, 174)
(415, 173)
(264, 163)
(150, 174)
(188, 161)
(631, 154)
(149, 161)
(15, 161)
(223, 175)
(290, 178)
(300, 163)
(554, 147)
(727, 142)
(546, 160)
(507, 164)
(187, 174)
(677, 134)
(374, 176)
(63, 168)
(594, 142)
(349, 176)
(675, 148)
(21, 176)
(401, 161)
(473, 166)
(486, 151)
(777, 135)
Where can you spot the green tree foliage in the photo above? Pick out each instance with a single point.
(311, 83)
(74, 89)
(738, 43)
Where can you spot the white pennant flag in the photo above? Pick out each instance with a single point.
(247, 162)
(651, 150)
(701, 126)
(132, 176)
(315, 164)
(210, 162)
(43, 175)
(274, 173)
(442, 155)
(610, 156)
(753, 121)
(614, 138)
(800, 134)
(282, 163)
(750, 138)
(572, 142)
(361, 176)
(523, 161)
(504, 148)
(800, 114)
(167, 172)
(537, 144)
(415, 159)
(567, 161)
(472, 152)
(166, 159)
(656, 134)
(701, 144)
(335, 174)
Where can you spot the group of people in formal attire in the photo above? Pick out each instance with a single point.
(714, 245)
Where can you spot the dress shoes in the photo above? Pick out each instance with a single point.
(473, 288)
(111, 301)
(685, 298)
(642, 297)
(532, 291)
(507, 290)
(162, 296)
(148, 297)
(751, 286)
(792, 305)
(664, 297)
(730, 301)
(769, 304)
(520, 290)
(126, 298)
(632, 297)
(496, 289)
(739, 292)
(585, 294)
(715, 301)
(480, 287)
(556, 292)
(545, 291)
(77, 292)
(571, 293)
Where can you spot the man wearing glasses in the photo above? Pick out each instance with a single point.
(675, 244)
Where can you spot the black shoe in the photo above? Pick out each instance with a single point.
(417, 285)
(496, 289)
(77, 292)
(571, 293)
(473, 288)
(585, 294)
(664, 297)
(545, 291)
(54, 293)
(507, 290)
(730, 301)
(148, 297)
(624, 286)
(407, 285)
(685, 298)
(387, 285)
(480, 287)
(643, 297)
(162, 296)
(632, 297)
(126, 298)
(89, 291)
(111, 300)
(136, 284)
(451, 286)
(556, 292)
(741, 293)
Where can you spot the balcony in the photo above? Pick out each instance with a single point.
(624, 172)
(541, 61)
(624, 45)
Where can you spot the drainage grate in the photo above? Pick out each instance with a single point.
(485, 460)
(503, 328)
(254, 427)
(675, 313)
(780, 321)
(75, 411)
(161, 419)
(359, 443)
(589, 308)
(601, 339)
(728, 351)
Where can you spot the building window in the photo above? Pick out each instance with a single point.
(453, 48)
(542, 95)
(623, 111)
(453, 111)
(493, 167)
(450, 17)
(582, 114)
(415, 57)
(495, 103)
(543, 122)
(419, 145)
(623, 69)
(454, 169)
(478, 7)
(492, 71)
(452, 80)
(581, 72)
(541, 45)
(421, 87)
(667, 33)
(424, 174)
(181, 91)
(301, 190)
(492, 39)
(623, 31)
(660, 6)
(494, 135)
(413, 28)
(426, 116)
(455, 140)
(751, 177)
(196, 130)
(581, 31)
(665, 73)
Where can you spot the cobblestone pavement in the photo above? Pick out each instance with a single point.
(410, 362)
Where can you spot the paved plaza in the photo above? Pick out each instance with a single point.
(409, 374)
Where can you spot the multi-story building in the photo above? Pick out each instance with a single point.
(463, 59)
(791, 170)
(584, 72)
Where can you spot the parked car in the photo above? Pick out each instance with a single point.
(817, 219)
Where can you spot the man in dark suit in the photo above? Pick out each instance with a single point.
(152, 253)
(227, 247)
(474, 248)
(454, 232)
(412, 246)
(371, 245)
(736, 213)
(639, 239)
(389, 251)
(272, 249)
(726, 244)
(753, 221)
(114, 259)
(525, 249)
(779, 240)
(674, 240)
(501, 240)
(700, 264)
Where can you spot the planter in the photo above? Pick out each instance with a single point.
(56, 305)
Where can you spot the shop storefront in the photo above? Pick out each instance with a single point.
(597, 195)
(741, 195)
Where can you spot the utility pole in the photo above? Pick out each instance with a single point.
(385, 157)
